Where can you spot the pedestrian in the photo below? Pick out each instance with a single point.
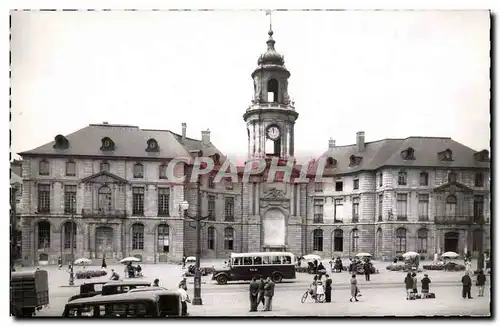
(269, 294)
(114, 275)
(320, 290)
(367, 269)
(260, 297)
(103, 264)
(183, 284)
(415, 282)
(468, 265)
(354, 288)
(254, 293)
(480, 282)
(183, 262)
(156, 282)
(314, 287)
(466, 286)
(184, 300)
(328, 288)
(408, 286)
(59, 262)
(315, 263)
(425, 286)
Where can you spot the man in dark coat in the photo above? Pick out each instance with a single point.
(254, 293)
(425, 286)
(260, 297)
(328, 288)
(466, 286)
(269, 294)
(480, 282)
(367, 269)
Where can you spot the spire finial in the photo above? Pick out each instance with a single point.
(268, 13)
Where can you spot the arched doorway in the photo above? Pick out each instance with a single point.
(338, 241)
(451, 241)
(274, 230)
(104, 241)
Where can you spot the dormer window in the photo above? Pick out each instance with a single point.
(482, 156)
(354, 160)
(61, 142)
(107, 144)
(216, 158)
(331, 162)
(152, 145)
(452, 177)
(446, 155)
(138, 171)
(408, 154)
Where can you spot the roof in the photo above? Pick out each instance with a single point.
(270, 253)
(118, 297)
(128, 282)
(129, 141)
(387, 152)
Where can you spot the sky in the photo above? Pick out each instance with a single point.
(391, 74)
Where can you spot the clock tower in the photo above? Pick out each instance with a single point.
(271, 116)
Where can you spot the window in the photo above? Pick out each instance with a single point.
(401, 206)
(137, 237)
(107, 144)
(211, 183)
(423, 207)
(43, 235)
(355, 209)
(318, 211)
(422, 241)
(477, 236)
(318, 240)
(229, 185)
(338, 210)
(152, 145)
(318, 187)
(338, 240)
(162, 171)
(138, 200)
(138, 171)
(478, 208)
(380, 206)
(70, 199)
(355, 184)
(402, 178)
(424, 179)
(104, 166)
(43, 167)
(211, 238)
(211, 207)
(451, 205)
(228, 238)
(163, 239)
(401, 240)
(69, 231)
(43, 198)
(452, 177)
(354, 240)
(380, 179)
(163, 201)
(229, 208)
(339, 186)
(70, 169)
(479, 180)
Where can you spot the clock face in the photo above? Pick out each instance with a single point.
(273, 132)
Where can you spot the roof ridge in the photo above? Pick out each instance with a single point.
(112, 125)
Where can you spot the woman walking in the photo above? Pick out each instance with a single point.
(414, 276)
(408, 286)
(354, 288)
(320, 290)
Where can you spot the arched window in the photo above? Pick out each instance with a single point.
(138, 171)
(318, 240)
(43, 167)
(69, 231)
(104, 199)
(229, 238)
(354, 240)
(137, 236)
(402, 178)
(104, 166)
(338, 240)
(451, 205)
(211, 238)
(163, 238)
(422, 235)
(43, 235)
(272, 91)
(401, 240)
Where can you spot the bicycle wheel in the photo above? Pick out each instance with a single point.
(304, 297)
(321, 298)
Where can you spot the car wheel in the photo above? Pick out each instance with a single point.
(222, 279)
(277, 277)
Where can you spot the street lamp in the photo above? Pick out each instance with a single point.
(71, 241)
(197, 274)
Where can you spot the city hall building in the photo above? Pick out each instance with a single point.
(104, 191)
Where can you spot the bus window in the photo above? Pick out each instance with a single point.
(287, 260)
(247, 261)
(276, 260)
(266, 260)
(237, 261)
(257, 260)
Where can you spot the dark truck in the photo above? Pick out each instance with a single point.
(29, 292)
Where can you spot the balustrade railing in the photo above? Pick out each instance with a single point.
(98, 213)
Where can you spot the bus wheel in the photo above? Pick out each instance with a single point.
(277, 277)
(222, 279)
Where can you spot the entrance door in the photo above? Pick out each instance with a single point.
(104, 241)
(451, 241)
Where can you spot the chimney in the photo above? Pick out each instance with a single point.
(184, 127)
(205, 137)
(331, 143)
(360, 141)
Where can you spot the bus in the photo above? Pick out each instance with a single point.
(245, 266)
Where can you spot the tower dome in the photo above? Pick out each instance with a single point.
(271, 56)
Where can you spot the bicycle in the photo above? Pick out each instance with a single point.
(319, 297)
